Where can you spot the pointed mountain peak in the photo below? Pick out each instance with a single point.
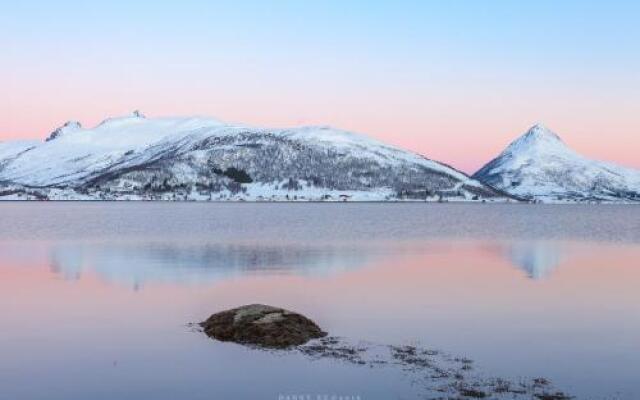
(541, 132)
(69, 126)
(538, 136)
(138, 114)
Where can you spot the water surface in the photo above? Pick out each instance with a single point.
(95, 297)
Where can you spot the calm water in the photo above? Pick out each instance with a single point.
(94, 298)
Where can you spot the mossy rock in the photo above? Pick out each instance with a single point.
(263, 326)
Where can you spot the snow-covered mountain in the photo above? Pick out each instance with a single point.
(540, 166)
(135, 157)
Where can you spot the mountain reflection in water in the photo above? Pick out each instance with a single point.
(135, 265)
(538, 259)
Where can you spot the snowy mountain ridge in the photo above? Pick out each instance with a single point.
(539, 166)
(134, 157)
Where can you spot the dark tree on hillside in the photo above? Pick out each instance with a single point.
(238, 175)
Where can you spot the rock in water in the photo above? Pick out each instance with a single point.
(263, 326)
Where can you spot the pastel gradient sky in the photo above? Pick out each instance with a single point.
(453, 80)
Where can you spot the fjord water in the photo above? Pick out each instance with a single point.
(95, 298)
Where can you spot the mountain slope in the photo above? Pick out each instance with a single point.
(540, 166)
(134, 157)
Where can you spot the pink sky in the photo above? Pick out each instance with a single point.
(447, 128)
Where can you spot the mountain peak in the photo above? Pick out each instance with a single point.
(134, 116)
(69, 126)
(539, 131)
(537, 136)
